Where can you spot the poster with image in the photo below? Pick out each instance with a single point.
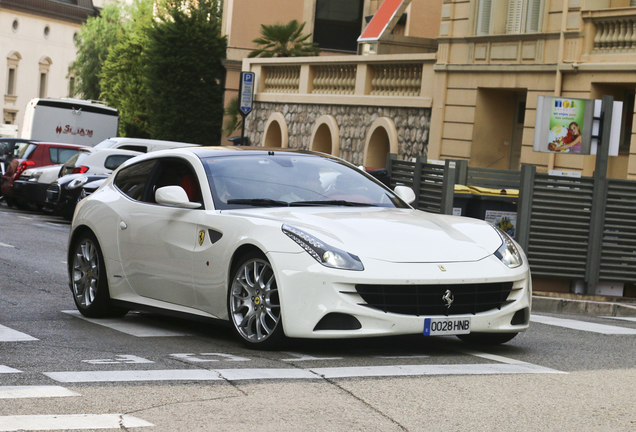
(564, 125)
(506, 221)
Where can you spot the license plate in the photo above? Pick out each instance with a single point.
(446, 326)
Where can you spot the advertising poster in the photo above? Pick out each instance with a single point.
(564, 125)
(505, 221)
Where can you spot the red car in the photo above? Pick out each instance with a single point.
(33, 155)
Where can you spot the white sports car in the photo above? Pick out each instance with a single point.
(290, 244)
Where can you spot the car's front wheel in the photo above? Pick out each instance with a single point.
(88, 280)
(254, 303)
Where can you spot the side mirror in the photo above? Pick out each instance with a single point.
(406, 193)
(174, 196)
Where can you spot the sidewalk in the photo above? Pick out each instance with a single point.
(549, 302)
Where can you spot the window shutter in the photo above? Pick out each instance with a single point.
(534, 16)
(483, 17)
(515, 13)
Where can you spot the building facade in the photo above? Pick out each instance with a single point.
(37, 47)
(493, 59)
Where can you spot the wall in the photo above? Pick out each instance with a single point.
(412, 125)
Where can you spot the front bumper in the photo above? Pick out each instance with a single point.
(312, 294)
(29, 192)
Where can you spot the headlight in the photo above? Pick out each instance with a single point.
(326, 255)
(508, 252)
(78, 182)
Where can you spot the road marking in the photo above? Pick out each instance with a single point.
(6, 245)
(302, 357)
(131, 376)
(120, 359)
(16, 392)
(73, 421)
(582, 325)
(130, 324)
(211, 357)
(291, 373)
(7, 369)
(633, 319)
(10, 335)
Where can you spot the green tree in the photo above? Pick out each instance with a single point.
(234, 119)
(184, 74)
(92, 43)
(122, 76)
(284, 40)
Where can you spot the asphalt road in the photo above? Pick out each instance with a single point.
(59, 371)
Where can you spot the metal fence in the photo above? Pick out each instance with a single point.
(566, 231)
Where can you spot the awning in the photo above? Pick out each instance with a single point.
(384, 20)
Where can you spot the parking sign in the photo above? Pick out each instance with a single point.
(246, 92)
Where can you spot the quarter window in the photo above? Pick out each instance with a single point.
(61, 155)
(132, 180)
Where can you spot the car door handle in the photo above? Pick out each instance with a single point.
(123, 225)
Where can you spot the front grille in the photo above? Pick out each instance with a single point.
(53, 193)
(427, 300)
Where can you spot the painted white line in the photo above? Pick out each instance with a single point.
(73, 421)
(492, 357)
(16, 392)
(313, 373)
(302, 357)
(130, 324)
(7, 369)
(419, 370)
(633, 319)
(10, 335)
(582, 325)
(6, 245)
(129, 376)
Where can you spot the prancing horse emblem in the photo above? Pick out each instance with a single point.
(449, 298)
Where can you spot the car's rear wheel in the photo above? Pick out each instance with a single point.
(88, 280)
(254, 303)
(487, 338)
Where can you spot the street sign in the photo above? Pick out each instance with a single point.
(246, 93)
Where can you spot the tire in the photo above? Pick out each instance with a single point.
(487, 338)
(253, 303)
(89, 282)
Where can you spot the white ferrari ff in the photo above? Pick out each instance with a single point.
(289, 244)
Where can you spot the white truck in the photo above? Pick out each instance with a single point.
(71, 121)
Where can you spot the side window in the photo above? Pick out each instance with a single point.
(113, 162)
(176, 172)
(139, 148)
(131, 181)
(61, 155)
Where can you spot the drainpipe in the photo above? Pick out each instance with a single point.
(558, 85)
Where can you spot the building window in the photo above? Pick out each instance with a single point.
(11, 82)
(338, 24)
(42, 91)
(15, 25)
(71, 87)
(524, 16)
(47, 31)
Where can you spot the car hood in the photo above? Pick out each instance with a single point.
(388, 234)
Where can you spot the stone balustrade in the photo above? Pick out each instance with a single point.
(282, 79)
(334, 79)
(396, 80)
(615, 35)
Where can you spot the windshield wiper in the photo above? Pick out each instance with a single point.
(330, 203)
(259, 202)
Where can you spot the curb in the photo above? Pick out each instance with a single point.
(582, 307)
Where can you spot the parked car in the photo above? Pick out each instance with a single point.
(92, 160)
(30, 188)
(141, 145)
(33, 155)
(9, 147)
(62, 195)
(289, 244)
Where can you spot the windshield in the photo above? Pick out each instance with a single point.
(285, 179)
(24, 151)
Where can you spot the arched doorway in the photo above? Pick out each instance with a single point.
(276, 134)
(381, 140)
(325, 137)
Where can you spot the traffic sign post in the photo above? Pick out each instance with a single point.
(246, 98)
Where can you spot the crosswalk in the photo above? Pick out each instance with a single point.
(136, 326)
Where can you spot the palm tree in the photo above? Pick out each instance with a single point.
(284, 40)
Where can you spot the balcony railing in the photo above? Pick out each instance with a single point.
(394, 80)
(615, 35)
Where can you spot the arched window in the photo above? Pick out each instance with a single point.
(381, 140)
(325, 137)
(276, 134)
